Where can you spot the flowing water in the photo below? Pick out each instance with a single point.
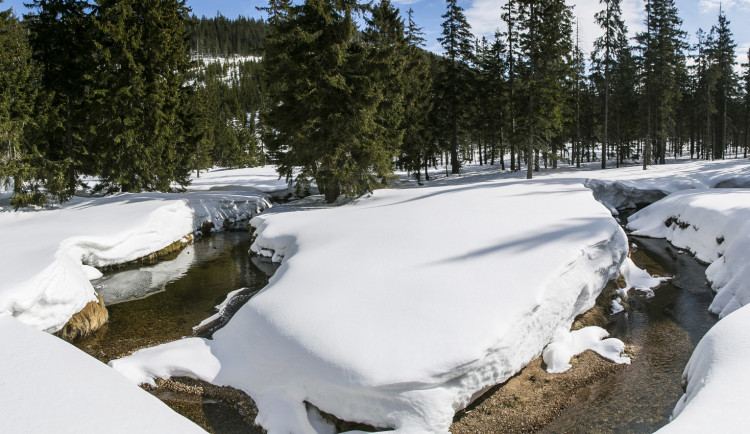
(663, 330)
(151, 305)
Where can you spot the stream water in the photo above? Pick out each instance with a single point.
(663, 330)
(149, 305)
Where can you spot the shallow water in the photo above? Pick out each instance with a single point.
(150, 305)
(663, 331)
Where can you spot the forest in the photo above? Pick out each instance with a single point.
(139, 94)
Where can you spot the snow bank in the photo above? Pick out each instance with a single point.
(401, 308)
(631, 186)
(714, 224)
(718, 381)
(45, 280)
(50, 386)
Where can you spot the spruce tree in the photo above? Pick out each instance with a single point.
(604, 57)
(19, 81)
(545, 43)
(386, 61)
(416, 148)
(61, 40)
(510, 16)
(746, 88)
(321, 117)
(722, 54)
(457, 42)
(139, 94)
(663, 63)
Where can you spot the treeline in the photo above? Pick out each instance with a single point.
(221, 36)
(108, 89)
(345, 103)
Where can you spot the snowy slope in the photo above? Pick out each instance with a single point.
(399, 309)
(44, 282)
(49, 386)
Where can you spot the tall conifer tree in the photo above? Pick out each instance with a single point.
(457, 41)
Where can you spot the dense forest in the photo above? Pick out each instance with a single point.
(139, 93)
(226, 37)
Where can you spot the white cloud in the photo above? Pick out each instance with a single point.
(484, 17)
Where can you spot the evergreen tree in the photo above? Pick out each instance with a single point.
(604, 57)
(746, 86)
(416, 148)
(545, 44)
(722, 54)
(322, 112)
(18, 88)
(385, 66)
(510, 16)
(663, 63)
(139, 94)
(61, 38)
(457, 43)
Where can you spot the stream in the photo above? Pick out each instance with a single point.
(155, 304)
(150, 305)
(663, 330)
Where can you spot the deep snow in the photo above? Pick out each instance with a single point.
(49, 386)
(425, 317)
(714, 224)
(46, 266)
(398, 309)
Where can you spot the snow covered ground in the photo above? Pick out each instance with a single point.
(395, 310)
(49, 386)
(263, 179)
(398, 309)
(714, 224)
(49, 255)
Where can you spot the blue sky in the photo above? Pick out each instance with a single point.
(483, 15)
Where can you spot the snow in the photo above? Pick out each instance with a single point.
(718, 381)
(714, 224)
(220, 308)
(263, 178)
(384, 310)
(617, 306)
(48, 263)
(50, 386)
(572, 343)
(638, 279)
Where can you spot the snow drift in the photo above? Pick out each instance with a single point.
(48, 255)
(50, 386)
(714, 224)
(403, 307)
